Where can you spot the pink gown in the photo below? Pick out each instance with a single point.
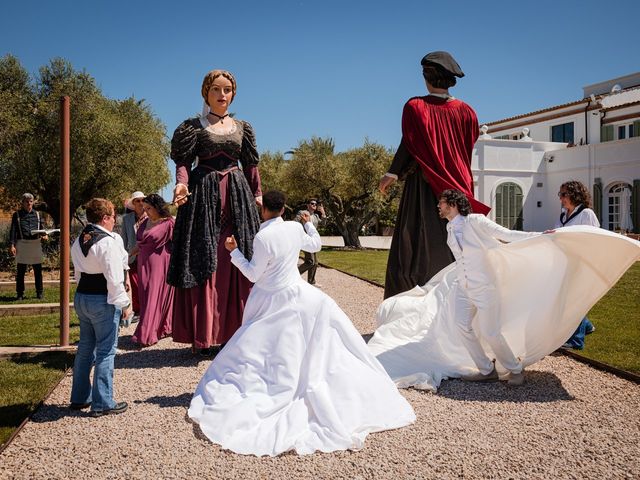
(156, 296)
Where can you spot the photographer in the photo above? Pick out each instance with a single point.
(310, 264)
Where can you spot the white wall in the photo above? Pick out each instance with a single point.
(530, 163)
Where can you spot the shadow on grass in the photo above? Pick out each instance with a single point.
(49, 360)
(539, 387)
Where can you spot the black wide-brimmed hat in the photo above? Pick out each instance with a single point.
(444, 60)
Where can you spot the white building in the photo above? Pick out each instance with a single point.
(520, 162)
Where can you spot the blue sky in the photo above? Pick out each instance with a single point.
(329, 68)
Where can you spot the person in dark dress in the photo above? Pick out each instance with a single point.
(217, 197)
(438, 134)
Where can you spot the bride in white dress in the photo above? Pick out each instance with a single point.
(297, 375)
(545, 285)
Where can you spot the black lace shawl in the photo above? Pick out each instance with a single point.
(197, 229)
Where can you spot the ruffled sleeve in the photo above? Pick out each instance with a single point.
(183, 146)
(250, 158)
(249, 154)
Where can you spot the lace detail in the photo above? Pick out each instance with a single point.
(200, 221)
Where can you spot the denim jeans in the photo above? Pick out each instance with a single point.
(577, 339)
(99, 323)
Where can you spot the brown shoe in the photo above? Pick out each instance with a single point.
(492, 376)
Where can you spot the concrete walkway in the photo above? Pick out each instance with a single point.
(567, 421)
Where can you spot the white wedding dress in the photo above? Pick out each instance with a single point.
(297, 375)
(546, 285)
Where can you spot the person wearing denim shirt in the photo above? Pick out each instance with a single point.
(100, 262)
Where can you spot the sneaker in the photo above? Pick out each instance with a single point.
(492, 376)
(589, 332)
(20, 297)
(79, 406)
(135, 318)
(39, 295)
(515, 379)
(572, 346)
(119, 408)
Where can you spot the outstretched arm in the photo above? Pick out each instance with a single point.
(255, 268)
(497, 231)
(311, 241)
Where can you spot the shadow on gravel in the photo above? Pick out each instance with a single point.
(158, 358)
(164, 401)
(52, 413)
(539, 387)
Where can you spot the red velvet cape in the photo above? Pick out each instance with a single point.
(440, 136)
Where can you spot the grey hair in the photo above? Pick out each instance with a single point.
(27, 196)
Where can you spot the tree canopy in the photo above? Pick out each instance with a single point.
(117, 146)
(346, 182)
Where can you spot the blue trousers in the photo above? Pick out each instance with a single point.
(577, 339)
(99, 323)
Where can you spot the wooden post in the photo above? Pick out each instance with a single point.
(65, 220)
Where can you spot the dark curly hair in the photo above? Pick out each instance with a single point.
(157, 202)
(437, 77)
(577, 193)
(274, 200)
(458, 199)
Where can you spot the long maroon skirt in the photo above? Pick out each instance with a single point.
(210, 314)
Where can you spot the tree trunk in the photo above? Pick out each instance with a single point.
(350, 235)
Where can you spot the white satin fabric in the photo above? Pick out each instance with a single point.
(545, 286)
(297, 375)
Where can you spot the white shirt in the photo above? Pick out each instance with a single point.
(109, 257)
(469, 238)
(585, 217)
(276, 247)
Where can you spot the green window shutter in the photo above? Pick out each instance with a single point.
(635, 203)
(606, 133)
(636, 128)
(597, 199)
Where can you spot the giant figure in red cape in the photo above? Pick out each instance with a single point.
(438, 134)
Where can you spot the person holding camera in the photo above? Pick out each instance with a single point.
(310, 264)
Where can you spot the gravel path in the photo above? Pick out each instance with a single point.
(567, 421)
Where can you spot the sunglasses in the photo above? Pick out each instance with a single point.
(312, 203)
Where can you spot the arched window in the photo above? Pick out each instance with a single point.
(508, 206)
(619, 213)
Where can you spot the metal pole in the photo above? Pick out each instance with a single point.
(65, 220)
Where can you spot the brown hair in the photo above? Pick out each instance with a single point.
(97, 208)
(438, 77)
(577, 193)
(211, 76)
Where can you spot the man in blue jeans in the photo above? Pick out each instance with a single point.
(100, 262)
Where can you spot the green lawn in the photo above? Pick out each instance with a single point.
(36, 329)
(616, 316)
(369, 264)
(25, 382)
(51, 295)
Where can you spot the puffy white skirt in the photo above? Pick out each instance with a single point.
(296, 376)
(545, 285)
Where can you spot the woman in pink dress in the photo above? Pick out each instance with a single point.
(154, 251)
